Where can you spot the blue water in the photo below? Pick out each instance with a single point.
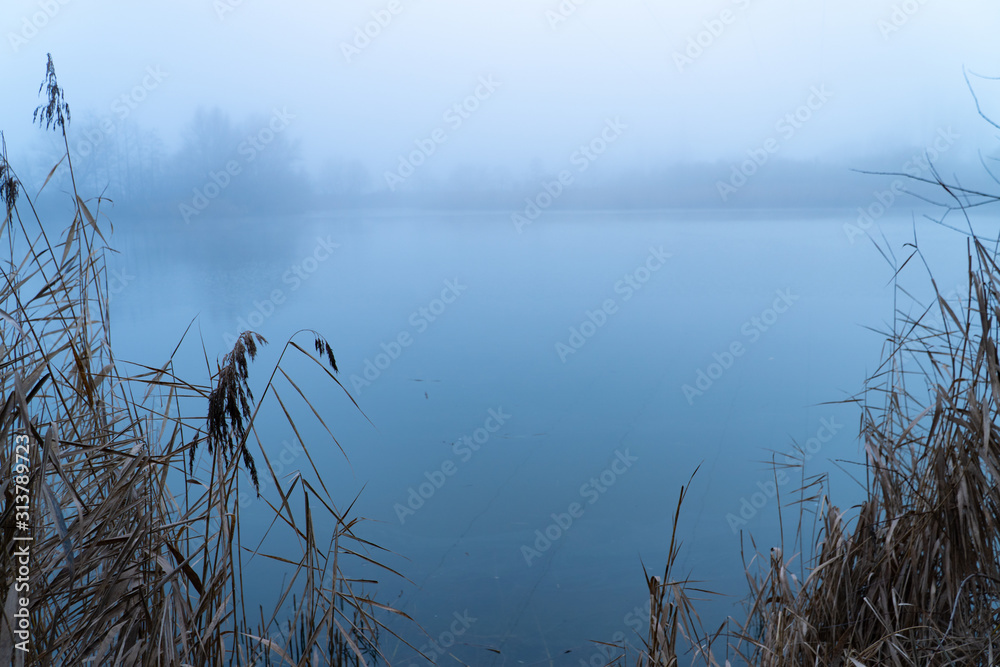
(535, 381)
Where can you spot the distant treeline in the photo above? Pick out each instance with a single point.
(229, 168)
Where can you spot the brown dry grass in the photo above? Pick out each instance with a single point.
(911, 576)
(126, 570)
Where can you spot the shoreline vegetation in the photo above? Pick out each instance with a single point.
(106, 563)
(121, 516)
(233, 167)
(782, 185)
(911, 576)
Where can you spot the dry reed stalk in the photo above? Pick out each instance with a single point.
(912, 575)
(124, 570)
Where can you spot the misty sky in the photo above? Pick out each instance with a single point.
(892, 69)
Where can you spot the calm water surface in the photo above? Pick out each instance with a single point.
(539, 398)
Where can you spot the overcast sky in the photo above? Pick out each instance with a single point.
(890, 73)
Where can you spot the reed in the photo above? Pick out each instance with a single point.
(911, 576)
(124, 569)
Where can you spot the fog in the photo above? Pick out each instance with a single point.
(338, 168)
(482, 104)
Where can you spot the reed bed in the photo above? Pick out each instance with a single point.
(129, 502)
(911, 576)
(124, 569)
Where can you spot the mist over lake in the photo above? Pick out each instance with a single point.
(397, 332)
(538, 401)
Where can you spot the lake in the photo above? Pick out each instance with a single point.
(539, 396)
